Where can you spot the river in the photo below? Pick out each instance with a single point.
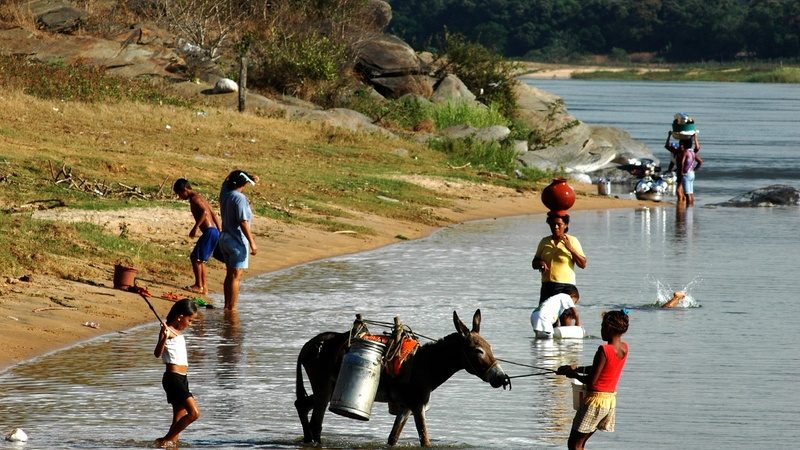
(718, 374)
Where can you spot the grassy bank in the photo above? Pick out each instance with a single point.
(766, 73)
(124, 149)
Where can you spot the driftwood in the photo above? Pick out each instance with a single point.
(100, 188)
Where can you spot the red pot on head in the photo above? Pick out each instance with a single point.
(558, 197)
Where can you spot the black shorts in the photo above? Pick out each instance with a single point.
(551, 288)
(176, 386)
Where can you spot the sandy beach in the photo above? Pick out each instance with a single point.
(40, 314)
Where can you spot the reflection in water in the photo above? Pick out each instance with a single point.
(684, 223)
(557, 396)
(229, 349)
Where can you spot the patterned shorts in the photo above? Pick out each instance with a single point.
(591, 418)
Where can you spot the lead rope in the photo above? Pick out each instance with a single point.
(543, 370)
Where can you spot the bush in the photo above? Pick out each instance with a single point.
(492, 156)
(78, 82)
(487, 74)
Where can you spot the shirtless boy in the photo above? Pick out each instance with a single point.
(205, 220)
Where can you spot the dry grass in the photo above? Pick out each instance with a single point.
(309, 172)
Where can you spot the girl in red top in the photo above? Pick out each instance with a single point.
(598, 411)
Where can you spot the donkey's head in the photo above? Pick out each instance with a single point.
(476, 353)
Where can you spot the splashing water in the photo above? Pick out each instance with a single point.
(664, 293)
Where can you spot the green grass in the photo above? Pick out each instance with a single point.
(709, 72)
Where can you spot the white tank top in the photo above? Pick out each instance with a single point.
(175, 351)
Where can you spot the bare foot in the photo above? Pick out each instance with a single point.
(163, 443)
(195, 289)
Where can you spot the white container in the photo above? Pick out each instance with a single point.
(569, 332)
(578, 394)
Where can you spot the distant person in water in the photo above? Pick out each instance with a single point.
(677, 296)
(207, 222)
(677, 151)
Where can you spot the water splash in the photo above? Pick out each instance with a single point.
(664, 292)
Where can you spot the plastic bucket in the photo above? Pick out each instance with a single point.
(569, 332)
(603, 187)
(358, 380)
(578, 394)
(124, 277)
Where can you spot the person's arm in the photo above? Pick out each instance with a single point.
(681, 160)
(576, 316)
(577, 255)
(597, 368)
(215, 218)
(249, 236)
(696, 143)
(163, 335)
(698, 162)
(538, 263)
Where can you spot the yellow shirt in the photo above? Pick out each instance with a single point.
(562, 267)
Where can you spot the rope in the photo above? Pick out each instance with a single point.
(547, 369)
(533, 374)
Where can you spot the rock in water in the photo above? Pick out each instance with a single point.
(774, 195)
(17, 435)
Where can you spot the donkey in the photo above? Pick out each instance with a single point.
(408, 392)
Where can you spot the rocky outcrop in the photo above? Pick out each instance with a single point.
(392, 67)
(65, 19)
(584, 148)
(773, 195)
(451, 88)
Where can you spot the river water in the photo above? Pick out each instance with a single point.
(719, 373)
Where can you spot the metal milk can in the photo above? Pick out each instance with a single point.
(358, 380)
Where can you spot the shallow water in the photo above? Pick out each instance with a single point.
(721, 374)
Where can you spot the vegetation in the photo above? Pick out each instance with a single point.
(557, 30)
(705, 72)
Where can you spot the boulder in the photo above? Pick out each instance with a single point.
(495, 133)
(65, 19)
(225, 86)
(773, 195)
(380, 13)
(451, 88)
(387, 55)
(341, 118)
(398, 86)
(584, 148)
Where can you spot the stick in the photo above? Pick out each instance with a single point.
(152, 309)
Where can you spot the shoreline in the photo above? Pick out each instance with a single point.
(46, 314)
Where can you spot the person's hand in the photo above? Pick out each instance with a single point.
(165, 330)
(568, 371)
(193, 232)
(253, 249)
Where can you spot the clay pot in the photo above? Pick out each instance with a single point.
(558, 197)
(124, 277)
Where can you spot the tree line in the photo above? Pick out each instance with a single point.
(674, 30)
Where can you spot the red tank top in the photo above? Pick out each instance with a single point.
(607, 381)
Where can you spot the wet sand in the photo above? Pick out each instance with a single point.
(42, 314)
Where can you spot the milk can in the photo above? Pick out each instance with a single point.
(358, 380)
(603, 187)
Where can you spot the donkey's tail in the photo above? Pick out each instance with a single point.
(300, 389)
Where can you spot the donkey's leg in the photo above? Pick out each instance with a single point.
(399, 422)
(303, 406)
(422, 427)
(320, 405)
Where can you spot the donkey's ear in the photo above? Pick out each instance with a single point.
(476, 321)
(460, 327)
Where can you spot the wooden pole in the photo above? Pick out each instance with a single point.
(242, 82)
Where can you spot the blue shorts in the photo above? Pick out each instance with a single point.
(688, 182)
(235, 251)
(205, 245)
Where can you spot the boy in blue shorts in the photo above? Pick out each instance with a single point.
(205, 220)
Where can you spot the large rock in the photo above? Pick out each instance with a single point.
(387, 55)
(398, 86)
(451, 88)
(341, 118)
(774, 195)
(65, 19)
(584, 148)
(380, 13)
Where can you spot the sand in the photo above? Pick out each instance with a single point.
(40, 314)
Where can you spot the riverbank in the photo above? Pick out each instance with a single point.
(46, 313)
(734, 72)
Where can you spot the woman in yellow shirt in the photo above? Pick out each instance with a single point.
(556, 258)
